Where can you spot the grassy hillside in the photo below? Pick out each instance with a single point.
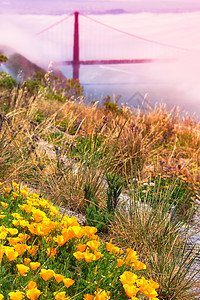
(133, 174)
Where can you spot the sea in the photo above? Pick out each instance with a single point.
(171, 39)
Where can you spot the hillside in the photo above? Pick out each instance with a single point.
(134, 175)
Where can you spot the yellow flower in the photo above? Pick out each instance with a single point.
(32, 249)
(15, 222)
(26, 189)
(60, 296)
(93, 245)
(90, 230)
(20, 248)
(153, 284)
(11, 254)
(60, 240)
(13, 241)
(81, 247)
(2, 251)
(51, 252)
(46, 274)
(59, 277)
(109, 247)
(3, 235)
(79, 255)
(32, 285)
(4, 204)
(77, 231)
(67, 234)
(101, 295)
(130, 290)
(38, 215)
(35, 265)
(15, 185)
(141, 282)
(16, 295)
(15, 195)
(97, 254)
(7, 190)
(131, 256)
(139, 265)
(23, 192)
(26, 207)
(23, 223)
(68, 282)
(12, 231)
(88, 297)
(128, 278)
(33, 294)
(22, 269)
(149, 292)
(23, 237)
(1, 296)
(27, 261)
(70, 221)
(120, 262)
(89, 257)
(54, 211)
(2, 216)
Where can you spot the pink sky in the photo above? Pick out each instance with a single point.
(128, 5)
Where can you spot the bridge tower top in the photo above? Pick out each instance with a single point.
(76, 62)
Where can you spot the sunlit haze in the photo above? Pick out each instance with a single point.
(166, 30)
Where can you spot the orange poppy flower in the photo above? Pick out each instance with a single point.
(11, 254)
(16, 295)
(35, 265)
(22, 269)
(59, 277)
(27, 261)
(128, 277)
(97, 254)
(88, 297)
(33, 294)
(46, 274)
(12, 231)
(130, 290)
(93, 244)
(79, 255)
(60, 296)
(4, 204)
(89, 257)
(51, 251)
(32, 285)
(81, 247)
(20, 248)
(32, 250)
(2, 251)
(68, 282)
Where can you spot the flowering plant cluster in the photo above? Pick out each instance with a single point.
(179, 190)
(44, 255)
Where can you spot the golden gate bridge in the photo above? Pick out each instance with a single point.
(76, 62)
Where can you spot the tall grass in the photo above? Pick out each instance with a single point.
(160, 238)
